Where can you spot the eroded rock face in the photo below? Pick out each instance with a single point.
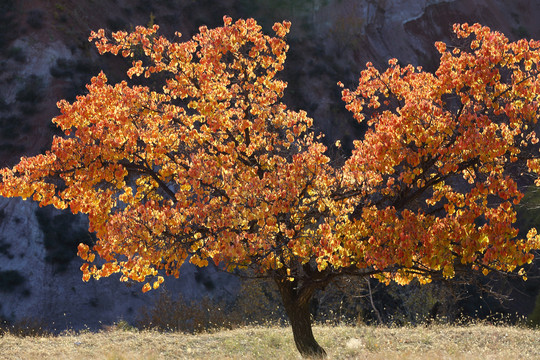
(330, 41)
(22, 257)
(35, 286)
(348, 33)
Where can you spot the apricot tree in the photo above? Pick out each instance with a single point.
(209, 165)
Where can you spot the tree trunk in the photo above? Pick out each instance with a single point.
(296, 302)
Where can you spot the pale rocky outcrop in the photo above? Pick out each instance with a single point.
(61, 298)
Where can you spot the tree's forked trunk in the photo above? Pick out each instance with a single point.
(296, 303)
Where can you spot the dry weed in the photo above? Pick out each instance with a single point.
(342, 342)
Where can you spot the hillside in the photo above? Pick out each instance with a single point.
(45, 57)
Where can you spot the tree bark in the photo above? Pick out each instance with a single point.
(296, 302)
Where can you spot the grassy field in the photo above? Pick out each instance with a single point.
(363, 342)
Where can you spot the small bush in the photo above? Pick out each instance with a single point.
(4, 249)
(62, 236)
(63, 68)
(203, 278)
(11, 126)
(7, 22)
(522, 32)
(71, 91)
(145, 7)
(32, 91)
(120, 325)
(35, 19)
(17, 54)
(28, 108)
(169, 314)
(12, 148)
(258, 302)
(10, 280)
(4, 106)
(419, 304)
(534, 317)
(85, 67)
(116, 24)
(26, 327)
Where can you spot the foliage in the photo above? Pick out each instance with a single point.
(471, 119)
(206, 164)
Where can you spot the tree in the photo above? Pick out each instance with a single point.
(205, 164)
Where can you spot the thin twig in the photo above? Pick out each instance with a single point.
(372, 303)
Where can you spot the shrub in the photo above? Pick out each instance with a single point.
(257, 302)
(193, 316)
(62, 236)
(4, 105)
(35, 19)
(7, 22)
(4, 249)
(32, 91)
(25, 327)
(63, 68)
(10, 280)
(12, 126)
(203, 278)
(117, 23)
(418, 304)
(534, 317)
(12, 148)
(120, 325)
(17, 54)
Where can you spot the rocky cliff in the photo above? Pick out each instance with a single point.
(45, 57)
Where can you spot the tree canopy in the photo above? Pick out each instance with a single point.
(202, 162)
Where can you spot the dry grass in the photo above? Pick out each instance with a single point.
(363, 342)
